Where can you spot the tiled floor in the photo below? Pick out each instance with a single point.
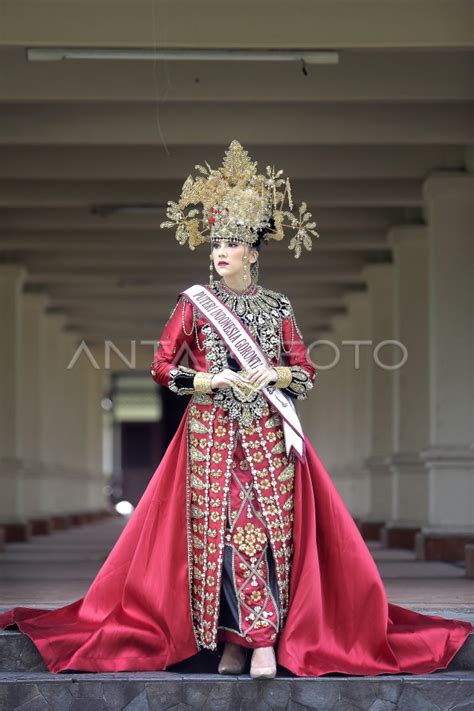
(54, 570)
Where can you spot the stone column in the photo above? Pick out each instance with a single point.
(82, 459)
(12, 514)
(411, 385)
(96, 499)
(316, 412)
(74, 457)
(449, 210)
(30, 407)
(338, 409)
(359, 355)
(53, 440)
(379, 278)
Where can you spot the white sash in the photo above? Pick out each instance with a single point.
(248, 354)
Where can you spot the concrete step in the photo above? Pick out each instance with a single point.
(19, 654)
(151, 691)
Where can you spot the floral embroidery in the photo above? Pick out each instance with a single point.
(249, 538)
(258, 524)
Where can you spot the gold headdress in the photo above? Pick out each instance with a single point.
(236, 203)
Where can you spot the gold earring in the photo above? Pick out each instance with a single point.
(245, 270)
(254, 271)
(211, 278)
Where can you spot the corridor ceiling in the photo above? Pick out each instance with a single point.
(80, 138)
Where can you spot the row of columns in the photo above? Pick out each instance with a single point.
(50, 419)
(399, 443)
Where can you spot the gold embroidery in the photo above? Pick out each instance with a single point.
(196, 455)
(196, 482)
(202, 398)
(287, 473)
(197, 513)
(273, 421)
(249, 539)
(197, 426)
(279, 448)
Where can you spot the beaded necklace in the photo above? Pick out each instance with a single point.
(255, 305)
(260, 309)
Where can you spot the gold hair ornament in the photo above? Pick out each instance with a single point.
(236, 203)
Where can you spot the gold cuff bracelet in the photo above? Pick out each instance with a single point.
(202, 382)
(285, 376)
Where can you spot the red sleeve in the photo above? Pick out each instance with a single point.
(175, 342)
(297, 359)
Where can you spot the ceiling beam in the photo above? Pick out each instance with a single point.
(152, 163)
(316, 193)
(305, 24)
(155, 277)
(148, 306)
(308, 123)
(78, 241)
(374, 75)
(165, 290)
(140, 263)
(79, 218)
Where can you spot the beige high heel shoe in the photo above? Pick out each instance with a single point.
(263, 665)
(233, 659)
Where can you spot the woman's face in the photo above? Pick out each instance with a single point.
(228, 257)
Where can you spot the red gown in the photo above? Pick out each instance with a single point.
(142, 612)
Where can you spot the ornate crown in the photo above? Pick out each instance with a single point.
(237, 203)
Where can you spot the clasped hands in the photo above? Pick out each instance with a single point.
(253, 379)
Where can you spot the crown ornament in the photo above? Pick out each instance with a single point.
(237, 203)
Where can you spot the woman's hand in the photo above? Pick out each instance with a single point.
(226, 378)
(260, 376)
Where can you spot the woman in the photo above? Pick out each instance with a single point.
(249, 510)
(241, 538)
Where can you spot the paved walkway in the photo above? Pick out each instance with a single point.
(54, 570)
